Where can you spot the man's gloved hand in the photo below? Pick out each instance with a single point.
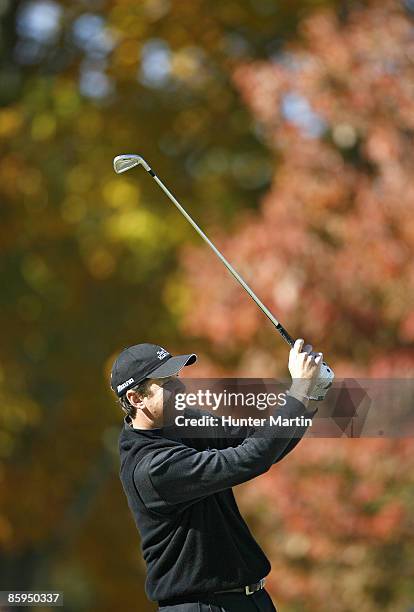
(323, 383)
(311, 376)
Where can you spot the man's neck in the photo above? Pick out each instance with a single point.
(140, 424)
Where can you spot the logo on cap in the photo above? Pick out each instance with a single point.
(125, 384)
(162, 353)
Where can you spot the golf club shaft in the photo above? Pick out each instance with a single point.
(282, 331)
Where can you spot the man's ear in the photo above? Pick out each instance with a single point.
(135, 398)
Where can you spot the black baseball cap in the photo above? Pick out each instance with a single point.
(141, 361)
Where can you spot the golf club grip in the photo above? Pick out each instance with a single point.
(285, 335)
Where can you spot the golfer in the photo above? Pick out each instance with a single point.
(199, 552)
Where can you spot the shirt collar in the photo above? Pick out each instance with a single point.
(129, 425)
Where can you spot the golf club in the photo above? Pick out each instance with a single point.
(123, 163)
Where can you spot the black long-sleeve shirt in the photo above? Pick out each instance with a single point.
(193, 538)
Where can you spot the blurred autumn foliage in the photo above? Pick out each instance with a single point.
(286, 128)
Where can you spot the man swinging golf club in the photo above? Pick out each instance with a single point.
(199, 552)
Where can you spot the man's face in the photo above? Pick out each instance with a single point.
(160, 395)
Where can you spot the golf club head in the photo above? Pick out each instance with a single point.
(122, 163)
